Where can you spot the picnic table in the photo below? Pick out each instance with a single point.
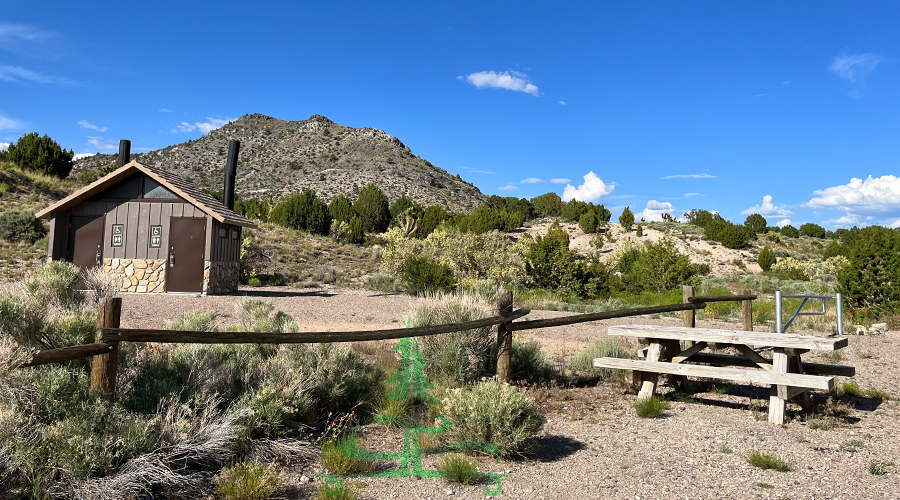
(789, 377)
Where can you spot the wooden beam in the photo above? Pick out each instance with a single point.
(735, 374)
(711, 335)
(504, 335)
(778, 393)
(808, 368)
(747, 312)
(722, 298)
(68, 354)
(690, 316)
(105, 366)
(582, 318)
(141, 335)
(649, 380)
(690, 351)
(754, 356)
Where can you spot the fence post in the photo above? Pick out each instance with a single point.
(690, 318)
(105, 366)
(747, 312)
(504, 335)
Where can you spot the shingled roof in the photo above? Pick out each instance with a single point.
(173, 182)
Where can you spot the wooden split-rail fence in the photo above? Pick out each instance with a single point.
(105, 350)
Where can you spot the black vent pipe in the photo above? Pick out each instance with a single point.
(234, 148)
(124, 153)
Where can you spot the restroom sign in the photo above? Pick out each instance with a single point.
(155, 236)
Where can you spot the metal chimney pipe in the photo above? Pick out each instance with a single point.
(234, 148)
(124, 153)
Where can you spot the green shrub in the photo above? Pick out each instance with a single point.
(430, 220)
(756, 224)
(493, 413)
(639, 232)
(834, 249)
(20, 225)
(588, 222)
(304, 211)
(383, 282)
(762, 460)
(879, 468)
(373, 209)
(422, 274)
(40, 154)
(340, 208)
(254, 281)
(456, 468)
(652, 407)
(812, 230)
(55, 284)
(851, 389)
(607, 347)
(548, 205)
(195, 321)
(626, 219)
(460, 357)
(552, 265)
(338, 457)
(872, 278)
(728, 234)
(247, 481)
(790, 231)
(338, 491)
(659, 267)
(766, 258)
(357, 231)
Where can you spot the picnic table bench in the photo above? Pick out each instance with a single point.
(788, 376)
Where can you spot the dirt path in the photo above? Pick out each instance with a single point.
(594, 446)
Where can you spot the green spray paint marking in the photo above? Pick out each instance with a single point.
(412, 387)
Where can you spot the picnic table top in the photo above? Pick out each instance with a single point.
(719, 336)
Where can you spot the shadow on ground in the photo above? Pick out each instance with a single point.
(287, 292)
(553, 448)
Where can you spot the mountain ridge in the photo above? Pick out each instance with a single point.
(280, 157)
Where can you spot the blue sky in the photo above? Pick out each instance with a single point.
(789, 109)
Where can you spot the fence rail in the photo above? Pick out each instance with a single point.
(105, 350)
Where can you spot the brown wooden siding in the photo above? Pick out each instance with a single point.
(225, 249)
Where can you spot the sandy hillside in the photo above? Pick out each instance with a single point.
(719, 258)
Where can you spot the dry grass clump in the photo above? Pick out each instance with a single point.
(247, 481)
(764, 460)
(456, 468)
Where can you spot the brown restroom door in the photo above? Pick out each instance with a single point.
(85, 247)
(187, 246)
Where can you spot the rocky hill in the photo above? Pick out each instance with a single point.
(282, 157)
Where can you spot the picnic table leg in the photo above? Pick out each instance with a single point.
(673, 347)
(796, 366)
(776, 401)
(649, 380)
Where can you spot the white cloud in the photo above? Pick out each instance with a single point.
(855, 68)
(591, 191)
(787, 82)
(560, 181)
(13, 32)
(880, 194)
(4, 146)
(784, 222)
(863, 200)
(164, 110)
(895, 224)
(86, 124)
(562, 102)
(508, 187)
(101, 144)
(531, 180)
(205, 127)
(688, 195)
(654, 210)
(7, 123)
(16, 73)
(768, 209)
(760, 95)
(482, 172)
(82, 155)
(690, 176)
(509, 80)
(845, 220)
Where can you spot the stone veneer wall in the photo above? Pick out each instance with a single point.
(138, 275)
(220, 277)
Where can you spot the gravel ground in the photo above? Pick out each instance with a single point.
(594, 446)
